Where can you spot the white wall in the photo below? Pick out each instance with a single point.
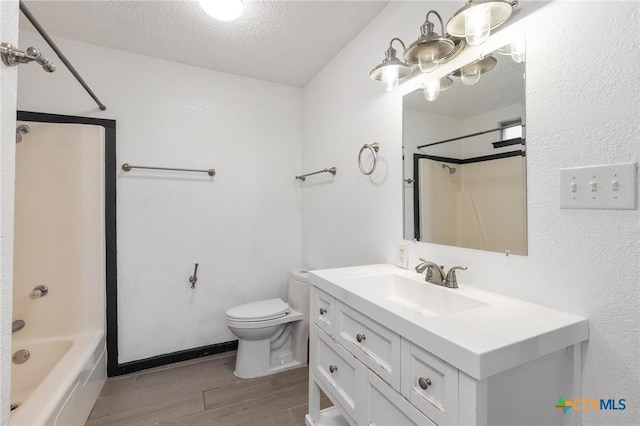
(242, 226)
(8, 89)
(59, 238)
(583, 262)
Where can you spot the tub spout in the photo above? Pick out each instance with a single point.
(39, 291)
(16, 326)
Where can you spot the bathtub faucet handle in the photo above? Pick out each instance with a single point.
(39, 291)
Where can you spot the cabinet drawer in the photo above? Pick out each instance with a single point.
(322, 310)
(430, 384)
(338, 370)
(372, 343)
(385, 407)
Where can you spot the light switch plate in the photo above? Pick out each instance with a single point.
(611, 186)
(402, 256)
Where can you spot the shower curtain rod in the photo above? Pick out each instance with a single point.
(470, 135)
(27, 13)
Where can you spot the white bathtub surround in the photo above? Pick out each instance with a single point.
(585, 263)
(59, 243)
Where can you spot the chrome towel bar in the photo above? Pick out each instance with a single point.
(332, 170)
(127, 167)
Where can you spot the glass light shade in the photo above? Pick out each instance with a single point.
(518, 51)
(470, 76)
(426, 61)
(222, 10)
(390, 77)
(477, 24)
(431, 90)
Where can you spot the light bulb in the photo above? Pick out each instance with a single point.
(222, 10)
(426, 62)
(390, 77)
(517, 51)
(477, 24)
(431, 90)
(470, 76)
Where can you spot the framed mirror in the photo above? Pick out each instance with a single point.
(465, 160)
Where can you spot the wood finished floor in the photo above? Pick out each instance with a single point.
(203, 392)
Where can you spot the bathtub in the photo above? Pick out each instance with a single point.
(60, 381)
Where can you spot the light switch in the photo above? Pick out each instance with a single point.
(599, 187)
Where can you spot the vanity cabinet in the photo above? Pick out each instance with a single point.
(379, 368)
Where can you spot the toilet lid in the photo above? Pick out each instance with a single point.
(259, 311)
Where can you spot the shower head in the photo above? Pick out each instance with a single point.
(452, 170)
(22, 129)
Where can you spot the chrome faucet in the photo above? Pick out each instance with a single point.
(428, 267)
(439, 277)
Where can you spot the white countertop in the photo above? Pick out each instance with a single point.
(481, 342)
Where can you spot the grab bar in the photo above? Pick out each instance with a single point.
(332, 170)
(127, 167)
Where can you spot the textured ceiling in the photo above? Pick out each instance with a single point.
(282, 41)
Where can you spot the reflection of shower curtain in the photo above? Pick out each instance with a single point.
(469, 231)
(482, 205)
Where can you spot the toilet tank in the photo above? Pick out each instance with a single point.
(299, 291)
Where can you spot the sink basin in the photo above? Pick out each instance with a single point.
(417, 296)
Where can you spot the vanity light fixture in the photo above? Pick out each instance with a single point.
(431, 89)
(477, 18)
(222, 10)
(470, 73)
(392, 69)
(431, 48)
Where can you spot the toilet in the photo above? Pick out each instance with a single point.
(272, 335)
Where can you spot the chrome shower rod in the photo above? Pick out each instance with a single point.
(127, 167)
(27, 13)
(332, 170)
(470, 135)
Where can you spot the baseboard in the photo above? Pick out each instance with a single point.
(156, 361)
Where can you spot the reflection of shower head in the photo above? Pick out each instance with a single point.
(452, 170)
(22, 129)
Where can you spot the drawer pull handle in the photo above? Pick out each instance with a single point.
(333, 368)
(323, 311)
(360, 337)
(424, 383)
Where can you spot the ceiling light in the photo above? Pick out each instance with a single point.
(477, 18)
(391, 70)
(431, 48)
(470, 74)
(431, 90)
(222, 10)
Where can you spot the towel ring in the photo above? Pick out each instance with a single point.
(374, 147)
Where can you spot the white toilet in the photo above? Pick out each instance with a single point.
(272, 335)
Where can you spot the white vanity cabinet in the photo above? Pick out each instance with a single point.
(390, 364)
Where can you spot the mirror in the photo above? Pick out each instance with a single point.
(464, 159)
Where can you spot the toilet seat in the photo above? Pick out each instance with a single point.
(263, 310)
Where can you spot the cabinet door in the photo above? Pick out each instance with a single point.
(372, 343)
(385, 407)
(322, 310)
(339, 371)
(430, 384)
